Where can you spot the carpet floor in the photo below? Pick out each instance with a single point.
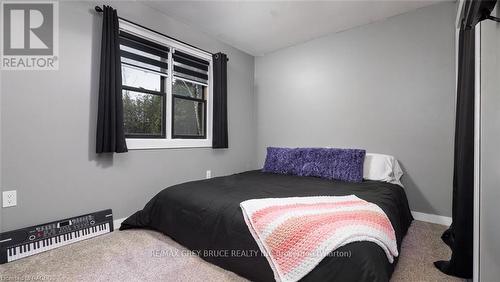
(142, 255)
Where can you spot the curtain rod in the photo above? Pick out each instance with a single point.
(99, 10)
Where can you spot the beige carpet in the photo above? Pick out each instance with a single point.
(141, 255)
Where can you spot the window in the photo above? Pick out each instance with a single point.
(188, 109)
(143, 103)
(166, 87)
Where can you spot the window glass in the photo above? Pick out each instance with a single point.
(188, 118)
(140, 79)
(143, 113)
(188, 89)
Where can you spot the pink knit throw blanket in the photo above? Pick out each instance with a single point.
(296, 234)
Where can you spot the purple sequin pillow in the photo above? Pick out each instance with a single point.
(328, 163)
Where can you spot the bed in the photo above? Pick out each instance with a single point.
(205, 217)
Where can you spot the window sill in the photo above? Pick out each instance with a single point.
(145, 144)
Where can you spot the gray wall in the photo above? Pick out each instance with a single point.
(48, 128)
(490, 158)
(387, 87)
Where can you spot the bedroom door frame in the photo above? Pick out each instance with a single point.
(477, 154)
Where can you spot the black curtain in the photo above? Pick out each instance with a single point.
(219, 133)
(110, 133)
(459, 237)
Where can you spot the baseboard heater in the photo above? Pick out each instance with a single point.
(33, 240)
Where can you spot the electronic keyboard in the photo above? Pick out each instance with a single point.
(33, 240)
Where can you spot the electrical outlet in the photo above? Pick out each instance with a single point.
(209, 174)
(9, 198)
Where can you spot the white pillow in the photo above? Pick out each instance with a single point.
(382, 168)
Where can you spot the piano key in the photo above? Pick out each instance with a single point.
(15, 252)
(10, 253)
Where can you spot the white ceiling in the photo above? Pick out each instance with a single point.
(260, 27)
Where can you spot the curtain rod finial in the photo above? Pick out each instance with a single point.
(98, 9)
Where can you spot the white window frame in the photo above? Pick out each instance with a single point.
(168, 142)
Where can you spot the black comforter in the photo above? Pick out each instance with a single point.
(205, 216)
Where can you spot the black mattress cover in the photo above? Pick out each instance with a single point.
(205, 216)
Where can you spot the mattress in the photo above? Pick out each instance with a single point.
(205, 217)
